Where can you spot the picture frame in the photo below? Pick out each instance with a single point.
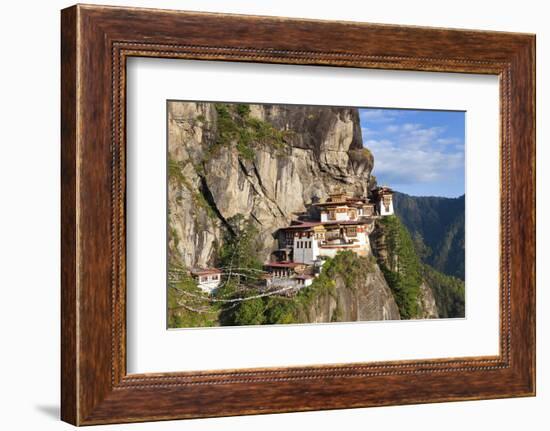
(96, 42)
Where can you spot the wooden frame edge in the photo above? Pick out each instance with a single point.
(85, 401)
(69, 304)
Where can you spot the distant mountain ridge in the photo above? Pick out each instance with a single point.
(437, 227)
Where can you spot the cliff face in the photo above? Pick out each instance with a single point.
(427, 305)
(268, 163)
(368, 299)
(300, 154)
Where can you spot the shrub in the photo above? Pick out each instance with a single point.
(236, 126)
(250, 312)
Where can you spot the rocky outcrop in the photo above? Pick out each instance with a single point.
(368, 299)
(269, 163)
(426, 303)
(194, 228)
(320, 150)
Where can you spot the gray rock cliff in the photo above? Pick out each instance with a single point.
(368, 299)
(321, 151)
(426, 302)
(269, 163)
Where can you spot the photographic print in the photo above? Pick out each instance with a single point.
(293, 214)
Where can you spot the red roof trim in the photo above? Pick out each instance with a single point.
(308, 225)
(283, 264)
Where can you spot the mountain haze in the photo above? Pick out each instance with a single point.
(437, 227)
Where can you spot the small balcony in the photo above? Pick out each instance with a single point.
(338, 241)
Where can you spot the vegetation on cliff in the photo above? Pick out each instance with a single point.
(175, 175)
(240, 302)
(448, 292)
(239, 252)
(188, 306)
(235, 125)
(346, 266)
(400, 264)
(399, 258)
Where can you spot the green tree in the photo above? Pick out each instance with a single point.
(448, 291)
(280, 310)
(439, 221)
(241, 246)
(422, 250)
(250, 312)
(402, 268)
(241, 265)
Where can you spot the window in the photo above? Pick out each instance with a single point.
(386, 199)
(332, 234)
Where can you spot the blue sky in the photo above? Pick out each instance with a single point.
(417, 152)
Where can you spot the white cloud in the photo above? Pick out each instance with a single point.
(379, 115)
(409, 127)
(416, 156)
(368, 132)
(450, 141)
(412, 154)
(414, 135)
